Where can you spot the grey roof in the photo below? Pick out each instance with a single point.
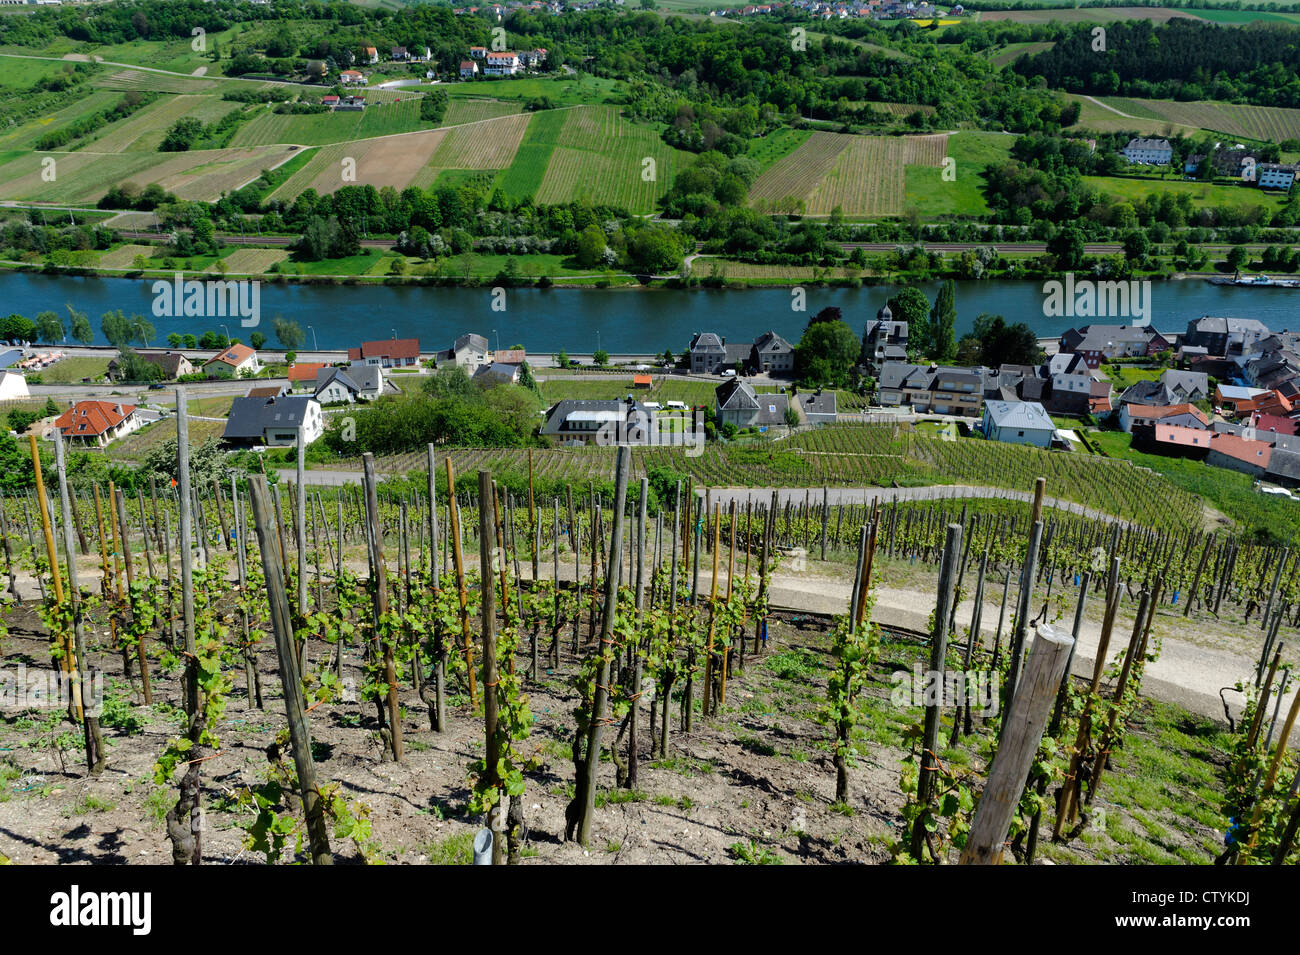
(250, 417)
(1148, 144)
(771, 341)
(356, 378)
(895, 374)
(738, 351)
(1284, 463)
(470, 340)
(1189, 382)
(823, 402)
(1068, 363)
(1022, 415)
(1147, 392)
(559, 412)
(1214, 325)
(9, 356)
(706, 342)
(736, 395)
(497, 369)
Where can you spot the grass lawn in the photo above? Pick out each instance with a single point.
(68, 371)
(1125, 376)
(578, 90)
(973, 152)
(1202, 193)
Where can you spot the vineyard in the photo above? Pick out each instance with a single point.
(600, 155)
(444, 666)
(1272, 124)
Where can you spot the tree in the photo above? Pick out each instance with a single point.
(131, 367)
(591, 246)
(49, 327)
(943, 322)
(1137, 245)
(288, 333)
(826, 355)
(1237, 257)
(182, 135)
(116, 328)
(911, 306)
(174, 340)
(1003, 344)
(667, 356)
(257, 340)
(79, 326)
(600, 358)
(1067, 246)
(791, 416)
(562, 359)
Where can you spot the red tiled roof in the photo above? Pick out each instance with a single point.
(511, 356)
(234, 356)
(388, 348)
(641, 380)
(1251, 452)
(306, 370)
(92, 418)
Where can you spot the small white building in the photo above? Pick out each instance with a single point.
(502, 64)
(1273, 175)
(275, 421)
(1018, 422)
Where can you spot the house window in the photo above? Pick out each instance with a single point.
(1020, 434)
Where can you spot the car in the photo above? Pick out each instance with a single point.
(728, 373)
(156, 386)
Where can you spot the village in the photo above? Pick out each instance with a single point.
(1224, 391)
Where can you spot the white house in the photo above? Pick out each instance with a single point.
(1018, 422)
(502, 64)
(1272, 175)
(12, 386)
(1148, 152)
(97, 422)
(355, 383)
(1070, 373)
(274, 421)
(352, 78)
(232, 362)
(468, 69)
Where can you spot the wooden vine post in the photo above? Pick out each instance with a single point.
(585, 794)
(290, 678)
(938, 655)
(67, 659)
(95, 755)
(453, 514)
(395, 747)
(1024, 725)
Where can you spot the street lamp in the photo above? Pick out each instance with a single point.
(314, 347)
(497, 334)
(227, 331)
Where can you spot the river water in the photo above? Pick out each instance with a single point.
(617, 320)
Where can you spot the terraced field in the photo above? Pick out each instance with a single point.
(123, 257)
(796, 175)
(600, 155)
(390, 161)
(250, 261)
(85, 176)
(1267, 123)
(26, 135)
(525, 175)
(144, 130)
(487, 145)
(862, 175)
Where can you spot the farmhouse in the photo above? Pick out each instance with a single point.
(478, 52)
(1148, 152)
(468, 69)
(388, 353)
(710, 353)
(234, 361)
(932, 389)
(772, 354)
(371, 55)
(97, 422)
(331, 101)
(353, 78)
(400, 54)
(469, 352)
(275, 422)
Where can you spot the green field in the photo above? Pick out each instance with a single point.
(1236, 196)
(68, 371)
(603, 157)
(931, 195)
(578, 90)
(1006, 55)
(524, 176)
(776, 145)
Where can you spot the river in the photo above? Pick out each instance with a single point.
(626, 321)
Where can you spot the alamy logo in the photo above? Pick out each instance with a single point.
(1088, 298)
(214, 298)
(75, 908)
(633, 425)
